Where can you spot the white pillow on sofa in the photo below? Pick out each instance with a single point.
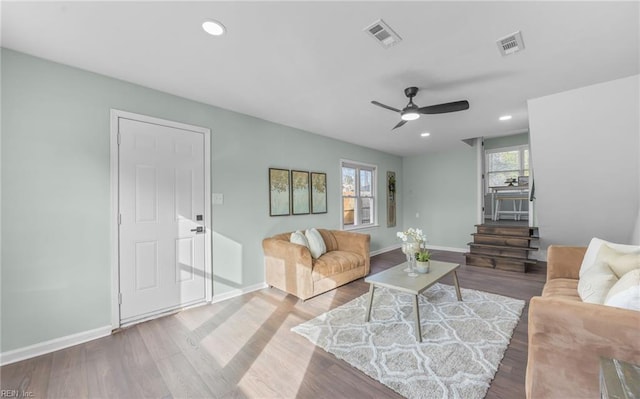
(594, 248)
(316, 243)
(297, 237)
(626, 292)
(595, 283)
(610, 264)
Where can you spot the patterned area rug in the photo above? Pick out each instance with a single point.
(463, 342)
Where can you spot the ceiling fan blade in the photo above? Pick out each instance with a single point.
(402, 122)
(446, 107)
(385, 106)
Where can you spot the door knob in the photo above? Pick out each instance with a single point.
(198, 229)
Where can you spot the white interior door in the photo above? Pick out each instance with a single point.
(162, 227)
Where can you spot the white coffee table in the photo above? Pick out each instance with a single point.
(397, 279)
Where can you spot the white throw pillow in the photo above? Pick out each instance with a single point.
(297, 237)
(594, 248)
(620, 263)
(316, 243)
(626, 292)
(595, 283)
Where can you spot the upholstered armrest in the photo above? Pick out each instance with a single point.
(566, 340)
(564, 262)
(354, 242)
(288, 266)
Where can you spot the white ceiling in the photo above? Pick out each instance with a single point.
(310, 65)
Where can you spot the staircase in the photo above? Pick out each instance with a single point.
(504, 247)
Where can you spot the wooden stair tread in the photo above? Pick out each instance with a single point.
(504, 236)
(473, 244)
(507, 258)
(515, 226)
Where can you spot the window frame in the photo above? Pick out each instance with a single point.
(521, 171)
(357, 222)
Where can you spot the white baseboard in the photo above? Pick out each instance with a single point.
(451, 249)
(53, 345)
(238, 292)
(540, 255)
(436, 247)
(383, 250)
(56, 344)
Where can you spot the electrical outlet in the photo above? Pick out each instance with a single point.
(217, 198)
(417, 215)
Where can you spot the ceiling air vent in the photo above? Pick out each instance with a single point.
(511, 44)
(383, 34)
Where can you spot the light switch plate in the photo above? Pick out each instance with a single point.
(217, 198)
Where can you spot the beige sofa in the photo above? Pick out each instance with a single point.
(567, 337)
(290, 267)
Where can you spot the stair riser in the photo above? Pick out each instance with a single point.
(509, 242)
(504, 230)
(501, 264)
(479, 262)
(513, 253)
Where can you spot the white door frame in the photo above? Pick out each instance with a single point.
(114, 157)
(479, 146)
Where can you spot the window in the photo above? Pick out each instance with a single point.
(358, 195)
(503, 164)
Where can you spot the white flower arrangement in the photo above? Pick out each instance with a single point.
(416, 234)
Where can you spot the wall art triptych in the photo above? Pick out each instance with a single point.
(296, 192)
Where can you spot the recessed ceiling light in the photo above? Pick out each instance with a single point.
(213, 28)
(505, 117)
(425, 134)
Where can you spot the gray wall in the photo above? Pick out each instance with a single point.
(584, 144)
(56, 261)
(442, 189)
(506, 141)
(635, 237)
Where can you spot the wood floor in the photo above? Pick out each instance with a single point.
(243, 348)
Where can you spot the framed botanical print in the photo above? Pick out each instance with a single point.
(318, 192)
(300, 192)
(279, 192)
(391, 199)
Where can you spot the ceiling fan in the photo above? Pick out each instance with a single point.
(412, 112)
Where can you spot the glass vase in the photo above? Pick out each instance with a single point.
(410, 249)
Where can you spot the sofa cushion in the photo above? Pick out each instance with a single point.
(594, 249)
(298, 237)
(626, 292)
(335, 262)
(566, 288)
(316, 243)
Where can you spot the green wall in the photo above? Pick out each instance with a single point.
(56, 260)
(442, 189)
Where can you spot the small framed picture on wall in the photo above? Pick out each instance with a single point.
(300, 192)
(279, 192)
(318, 192)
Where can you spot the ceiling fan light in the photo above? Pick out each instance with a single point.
(410, 115)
